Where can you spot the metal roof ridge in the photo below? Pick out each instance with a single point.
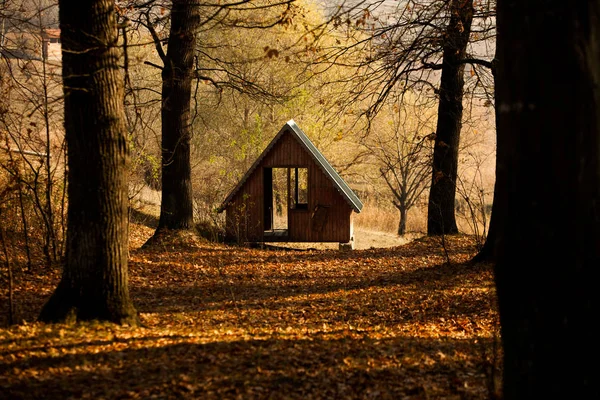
(327, 168)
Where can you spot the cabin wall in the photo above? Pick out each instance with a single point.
(327, 219)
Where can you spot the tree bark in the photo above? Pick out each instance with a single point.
(440, 214)
(548, 251)
(176, 211)
(402, 222)
(94, 282)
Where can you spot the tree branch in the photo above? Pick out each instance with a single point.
(153, 65)
(156, 39)
(477, 61)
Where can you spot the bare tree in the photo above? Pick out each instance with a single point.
(440, 213)
(402, 149)
(176, 210)
(32, 102)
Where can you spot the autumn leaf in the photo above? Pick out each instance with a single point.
(225, 322)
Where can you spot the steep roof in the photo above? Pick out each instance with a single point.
(319, 159)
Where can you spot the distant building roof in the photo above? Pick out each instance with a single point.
(52, 33)
(319, 159)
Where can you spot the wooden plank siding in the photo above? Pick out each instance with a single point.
(245, 211)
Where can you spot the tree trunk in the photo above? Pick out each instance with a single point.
(176, 210)
(402, 222)
(94, 283)
(487, 253)
(548, 251)
(440, 214)
(8, 265)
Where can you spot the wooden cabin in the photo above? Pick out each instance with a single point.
(291, 194)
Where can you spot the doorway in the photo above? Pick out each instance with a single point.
(276, 189)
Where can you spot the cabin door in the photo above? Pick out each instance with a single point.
(276, 198)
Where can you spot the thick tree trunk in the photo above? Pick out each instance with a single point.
(548, 251)
(440, 214)
(94, 281)
(176, 211)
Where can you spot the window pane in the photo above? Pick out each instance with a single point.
(299, 187)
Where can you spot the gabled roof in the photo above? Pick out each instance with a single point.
(319, 159)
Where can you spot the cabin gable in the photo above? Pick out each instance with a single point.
(289, 194)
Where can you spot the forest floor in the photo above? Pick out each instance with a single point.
(416, 321)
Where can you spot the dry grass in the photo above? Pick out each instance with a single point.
(377, 218)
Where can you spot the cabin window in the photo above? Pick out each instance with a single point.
(299, 188)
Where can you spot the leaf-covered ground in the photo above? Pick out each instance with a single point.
(237, 323)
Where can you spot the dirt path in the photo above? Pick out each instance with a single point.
(366, 239)
(363, 239)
